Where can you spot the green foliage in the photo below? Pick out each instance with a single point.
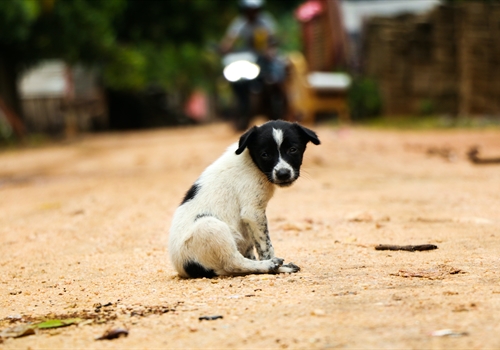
(174, 21)
(171, 36)
(76, 30)
(173, 67)
(16, 19)
(289, 32)
(278, 7)
(364, 98)
(136, 42)
(126, 69)
(180, 66)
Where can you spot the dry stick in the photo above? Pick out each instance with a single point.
(408, 248)
(473, 156)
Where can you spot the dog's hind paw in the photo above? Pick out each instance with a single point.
(275, 264)
(289, 268)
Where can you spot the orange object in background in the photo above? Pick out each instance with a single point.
(313, 92)
(313, 87)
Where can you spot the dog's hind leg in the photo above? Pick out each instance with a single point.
(250, 253)
(240, 265)
(212, 251)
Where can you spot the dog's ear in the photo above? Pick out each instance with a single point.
(245, 139)
(308, 134)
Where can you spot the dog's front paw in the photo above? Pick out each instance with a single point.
(289, 268)
(275, 264)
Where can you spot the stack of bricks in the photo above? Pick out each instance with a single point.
(444, 79)
(479, 58)
(399, 55)
(447, 61)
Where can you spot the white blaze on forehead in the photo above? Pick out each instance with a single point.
(278, 137)
(282, 164)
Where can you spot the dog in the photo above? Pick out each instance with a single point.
(221, 222)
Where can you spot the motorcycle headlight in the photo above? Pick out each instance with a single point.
(241, 70)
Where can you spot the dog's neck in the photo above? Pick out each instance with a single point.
(262, 180)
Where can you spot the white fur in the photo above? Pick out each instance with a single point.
(235, 193)
(282, 165)
(278, 138)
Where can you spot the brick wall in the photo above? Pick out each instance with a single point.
(447, 60)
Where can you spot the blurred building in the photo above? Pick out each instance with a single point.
(356, 13)
(447, 61)
(59, 99)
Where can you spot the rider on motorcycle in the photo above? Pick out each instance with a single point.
(255, 30)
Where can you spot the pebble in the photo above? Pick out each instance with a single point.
(318, 312)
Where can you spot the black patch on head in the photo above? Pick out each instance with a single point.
(202, 215)
(264, 151)
(308, 134)
(245, 139)
(191, 193)
(195, 270)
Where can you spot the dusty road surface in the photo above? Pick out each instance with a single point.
(83, 230)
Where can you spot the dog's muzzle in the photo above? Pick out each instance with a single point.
(283, 177)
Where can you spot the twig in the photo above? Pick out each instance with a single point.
(408, 248)
(473, 156)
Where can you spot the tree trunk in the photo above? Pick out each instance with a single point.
(9, 94)
(8, 85)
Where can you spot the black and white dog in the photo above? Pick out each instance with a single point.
(222, 220)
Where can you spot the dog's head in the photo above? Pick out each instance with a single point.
(277, 148)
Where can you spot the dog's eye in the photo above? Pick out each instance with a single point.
(292, 150)
(264, 155)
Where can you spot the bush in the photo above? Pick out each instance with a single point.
(364, 99)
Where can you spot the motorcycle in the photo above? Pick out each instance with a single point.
(256, 81)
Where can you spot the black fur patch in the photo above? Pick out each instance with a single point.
(191, 193)
(195, 270)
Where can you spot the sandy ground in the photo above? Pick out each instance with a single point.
(84, 227)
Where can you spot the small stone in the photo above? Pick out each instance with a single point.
(318, 312)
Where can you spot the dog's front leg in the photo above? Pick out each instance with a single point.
(263, 241)
(257, 227)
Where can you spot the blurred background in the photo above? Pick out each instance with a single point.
(70, 67)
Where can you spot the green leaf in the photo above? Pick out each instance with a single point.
(57, 323)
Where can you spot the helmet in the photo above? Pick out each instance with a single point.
(251, 4)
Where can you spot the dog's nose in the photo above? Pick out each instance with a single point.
(283, 174)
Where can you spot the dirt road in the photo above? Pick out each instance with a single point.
(83, 230)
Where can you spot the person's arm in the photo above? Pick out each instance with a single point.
(232, 34)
